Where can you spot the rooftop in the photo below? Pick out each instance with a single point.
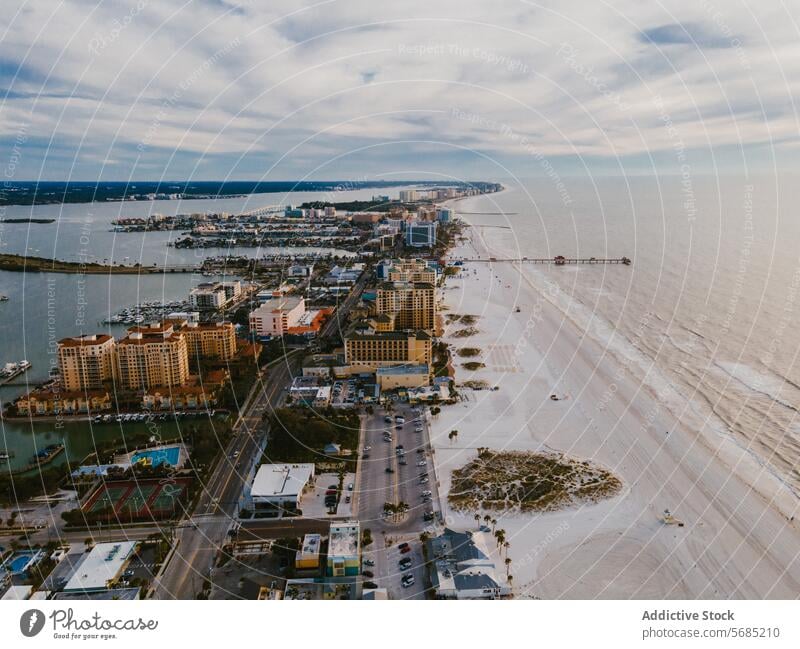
(344, 539)
(101, 565)
(403, 369)
(85, 341)
(281, 479)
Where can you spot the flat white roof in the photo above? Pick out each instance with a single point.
(281, 480)
(101, 565)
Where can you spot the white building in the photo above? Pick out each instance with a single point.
(102, 566)
(408, 195)
(209, 295)
(277, 315)
(280, 486)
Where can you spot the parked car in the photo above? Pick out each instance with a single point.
(405, 550)
(427, 517)
(422, 463)
(369, 562)
(389, 469)
(350, 487)
(370, 584)
(408, 581)
(368, 573)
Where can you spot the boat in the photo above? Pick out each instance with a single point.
(12, 370)
(3, 298)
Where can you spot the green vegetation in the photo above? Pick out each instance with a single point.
(510, 481)
(472, 366)
(468, 352)
(441, 359)
(466, 332)
(301, 434)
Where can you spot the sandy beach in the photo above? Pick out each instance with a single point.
(741, 537)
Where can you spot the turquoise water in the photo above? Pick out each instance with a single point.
(168, 455)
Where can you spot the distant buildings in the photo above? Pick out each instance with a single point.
(86, 362)
(214, 295)
(421, 234)
(413, 304)
(408, 195)
(373, 350)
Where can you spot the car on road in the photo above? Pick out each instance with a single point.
(387, 419)
(389, 469)
(347, 499)
(399, 419)
(350, 487)
(367, 448)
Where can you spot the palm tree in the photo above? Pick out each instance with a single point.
(494, 522)
(508, 566)
(477, 518)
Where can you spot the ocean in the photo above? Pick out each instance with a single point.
(706, 317)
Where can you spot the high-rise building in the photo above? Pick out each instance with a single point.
(421, 234)
(410, 270)
(413, 304)
(373, 350)
(408, 195)
(86, 362)
(209, 295)
(209, 340)
(152, 356)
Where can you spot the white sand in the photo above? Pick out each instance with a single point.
(737, 541)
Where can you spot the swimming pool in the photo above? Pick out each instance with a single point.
(157, 456)
(21, 561)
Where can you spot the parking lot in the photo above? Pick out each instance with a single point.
(396, 466)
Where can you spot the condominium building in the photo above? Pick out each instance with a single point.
(209, 340)
(408, 195)
(410, 270)
(373, 350)
(413, 304)
(86, 362)
(151, 356)
(276, 316)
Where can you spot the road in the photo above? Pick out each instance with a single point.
(198, 540)
(377, 486)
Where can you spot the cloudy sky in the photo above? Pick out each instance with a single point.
(214, 89)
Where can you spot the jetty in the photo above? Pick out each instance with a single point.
(556, 261)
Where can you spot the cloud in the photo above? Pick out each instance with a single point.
(687, 34)
(281, 89)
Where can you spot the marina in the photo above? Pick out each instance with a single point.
(12, 370)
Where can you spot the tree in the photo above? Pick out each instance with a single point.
(508, 566)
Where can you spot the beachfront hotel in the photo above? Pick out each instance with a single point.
(413, 304)
(86, 362)
(369, 351)
(155, 355)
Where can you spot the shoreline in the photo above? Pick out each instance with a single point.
(736, 516)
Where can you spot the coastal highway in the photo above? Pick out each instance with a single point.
(199, 539)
